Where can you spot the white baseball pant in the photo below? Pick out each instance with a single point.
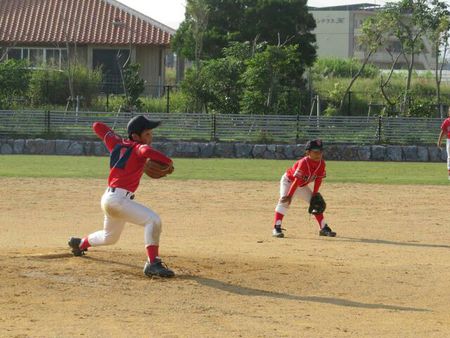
(119, 208)
(448, 153)
(304, 193)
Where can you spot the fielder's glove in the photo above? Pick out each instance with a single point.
(317, 204)
(157, 170)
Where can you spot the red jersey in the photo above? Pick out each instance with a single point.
(446, 127)
(306, 171)
(127, 158)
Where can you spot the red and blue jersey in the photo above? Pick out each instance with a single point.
(127, 158)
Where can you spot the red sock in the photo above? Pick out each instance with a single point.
(84, 243)
(319, 218)
(278, 219)
(152, 252)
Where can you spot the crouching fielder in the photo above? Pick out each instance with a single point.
(295, 181)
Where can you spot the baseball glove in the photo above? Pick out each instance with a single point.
(155, 169)
(317, 204)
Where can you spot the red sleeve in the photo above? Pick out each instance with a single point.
(109, 138)
(301, 170)
(445, 124)
(320, 176)
(148, 152)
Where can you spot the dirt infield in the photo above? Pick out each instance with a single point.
(386, 274)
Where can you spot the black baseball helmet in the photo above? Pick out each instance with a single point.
(314, 145)
(140, 123)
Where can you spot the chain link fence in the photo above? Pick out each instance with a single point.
(227, 127)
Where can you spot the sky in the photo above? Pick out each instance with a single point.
(171, 12)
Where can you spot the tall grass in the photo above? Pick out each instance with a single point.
(367, 91)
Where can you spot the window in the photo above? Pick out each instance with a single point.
(52, 57)
(36, 57)
(15, 53)
(55, 57)
(63, 55)
(111, 61)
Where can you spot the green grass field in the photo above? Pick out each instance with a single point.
(228, 169)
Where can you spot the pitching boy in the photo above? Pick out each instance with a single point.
(127, 160)
(445, 130)
(295, 181)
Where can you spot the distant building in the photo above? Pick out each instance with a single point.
(95, 33)
(338, 28)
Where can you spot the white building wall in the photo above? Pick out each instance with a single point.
(332, 33)
(337, 36)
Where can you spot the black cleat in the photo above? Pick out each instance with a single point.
(74, 244)
(278, 232)
(157, 269)
(326, 231)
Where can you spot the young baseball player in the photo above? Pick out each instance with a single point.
(127, 160)
(295, 181)
(445, 130)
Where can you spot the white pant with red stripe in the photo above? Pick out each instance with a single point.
(304, 193)
(119, 208)
(448, 153)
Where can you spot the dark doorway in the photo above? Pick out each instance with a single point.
(111, 62)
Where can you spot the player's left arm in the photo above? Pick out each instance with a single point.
(318, 180)
(146, 151)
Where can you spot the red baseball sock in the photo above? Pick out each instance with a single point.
(278, 219)
(84, 243)
(152, 252)
(319, 218)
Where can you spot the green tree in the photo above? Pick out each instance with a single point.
(410, 20)
(273, 81)
(222, 27)
(217, 86)
(14, 80)
(342, 68)
(134, 86)
(55, 87)
(272, 21)
(198, 11)
(439, 27)
(375, 31)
